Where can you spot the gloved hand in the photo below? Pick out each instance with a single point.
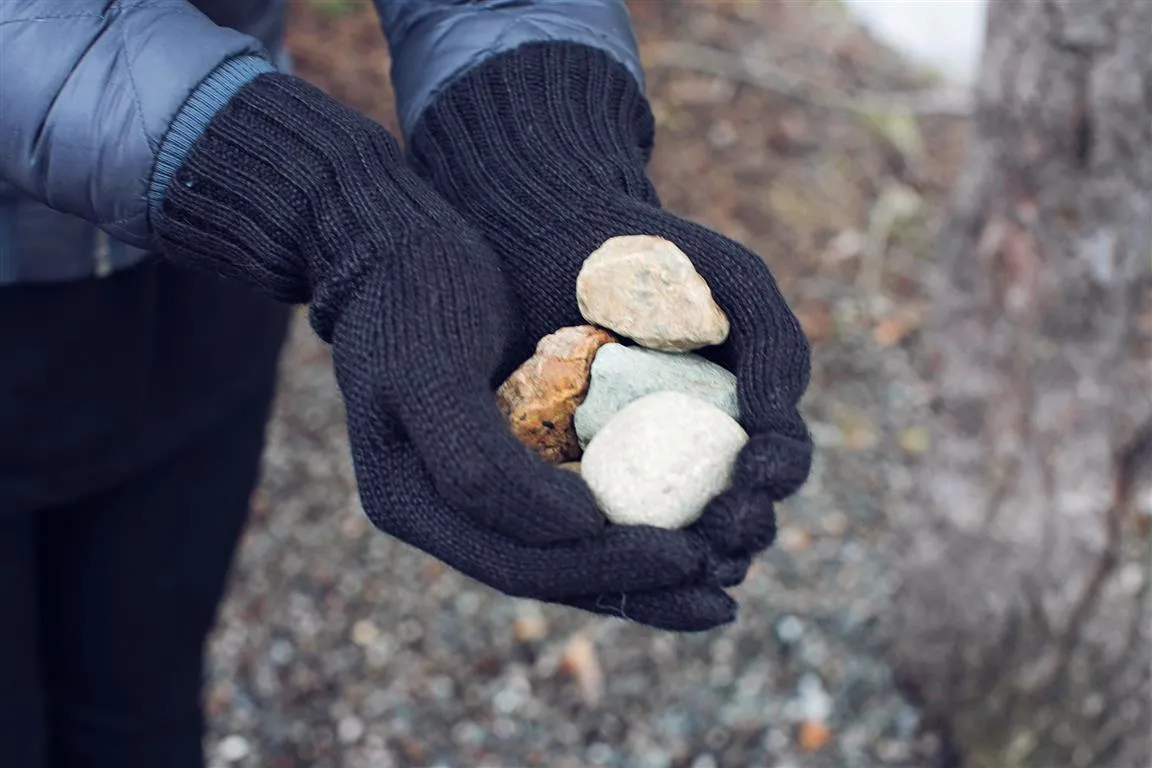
(544, 150)
(307, 201)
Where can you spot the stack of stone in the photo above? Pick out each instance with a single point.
(624, 401)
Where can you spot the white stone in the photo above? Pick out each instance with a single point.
(233, 749)
(350, 729)
(661, 459)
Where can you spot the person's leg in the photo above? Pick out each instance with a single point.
(101, 377)
(130, 582)
(132, 413)
(22, 732)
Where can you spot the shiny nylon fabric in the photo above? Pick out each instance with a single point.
(90, 88)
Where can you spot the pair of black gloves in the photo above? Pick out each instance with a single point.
(432, 278)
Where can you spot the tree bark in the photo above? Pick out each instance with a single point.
(1023, 623)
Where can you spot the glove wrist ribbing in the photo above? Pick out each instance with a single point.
(295, 194)
(553, 122)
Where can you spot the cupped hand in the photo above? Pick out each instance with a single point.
(305, 200)
(544, 150)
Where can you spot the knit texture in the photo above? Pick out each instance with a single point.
(544, 150)
(306, 200)
(206, 100)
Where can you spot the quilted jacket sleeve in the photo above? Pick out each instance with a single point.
(89, 89)
(433, 41)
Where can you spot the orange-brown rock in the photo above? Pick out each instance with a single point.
(540, 398)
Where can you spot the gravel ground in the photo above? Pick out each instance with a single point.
(341, 647)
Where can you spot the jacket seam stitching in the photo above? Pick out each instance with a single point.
(124, 220)
(135, 91)
(58, 17)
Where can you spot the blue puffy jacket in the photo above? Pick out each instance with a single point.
(89, 89)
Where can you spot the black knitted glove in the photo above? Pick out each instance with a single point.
(544, 149)
(306, 200)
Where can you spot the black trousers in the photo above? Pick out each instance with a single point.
(132, 420)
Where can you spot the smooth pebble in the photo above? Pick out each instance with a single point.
(621, 375)
(661, 459)
(647, 289)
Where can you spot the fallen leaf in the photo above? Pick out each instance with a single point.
(688, 91)
(894, 328)
(789, 133)
(816, 320)
(1144, 525)
(814, 735)
(259, 504)
(915, 440)
(581, 663)
(354, 525)
(793, 539)
(858, 436)
(899, 128)
(527, 629)
(431, 570)
(413, 750)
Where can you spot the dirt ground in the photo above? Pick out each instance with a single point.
(784, 126)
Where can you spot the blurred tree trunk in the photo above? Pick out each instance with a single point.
(1023, 623)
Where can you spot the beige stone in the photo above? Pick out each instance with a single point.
(646, 288)
(540, 397)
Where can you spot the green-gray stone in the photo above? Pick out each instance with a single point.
(623, 374)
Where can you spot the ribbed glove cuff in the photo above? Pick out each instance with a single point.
(295, 194)
(550, 122)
